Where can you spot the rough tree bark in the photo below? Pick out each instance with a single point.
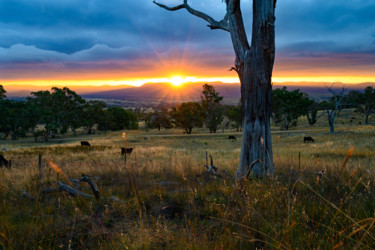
(254, 65)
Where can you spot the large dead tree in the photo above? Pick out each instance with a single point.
(254, 65)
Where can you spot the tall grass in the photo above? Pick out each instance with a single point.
(163, 206)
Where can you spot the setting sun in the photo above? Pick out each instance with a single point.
(177, 81)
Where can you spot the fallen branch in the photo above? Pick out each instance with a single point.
(63, 187)
(95, 190)
(74, 192)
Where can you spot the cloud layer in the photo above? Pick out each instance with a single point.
(137, 37)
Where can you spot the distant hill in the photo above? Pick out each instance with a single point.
(166, 91)
(192, 91)
(151, 93)
(25, 90)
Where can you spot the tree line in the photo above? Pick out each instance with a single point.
(47, 113)
(287, 107)
(209, 112)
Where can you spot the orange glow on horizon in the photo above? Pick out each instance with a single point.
(179, 80)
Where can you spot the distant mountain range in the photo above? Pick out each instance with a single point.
(167, 93)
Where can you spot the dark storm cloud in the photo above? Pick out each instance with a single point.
(346, 24)
(85, 32)
(60, 25)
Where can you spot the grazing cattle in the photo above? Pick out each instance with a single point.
(126, 151)
(5, 162)
(308, 139)
(85, 143)
(232, 137)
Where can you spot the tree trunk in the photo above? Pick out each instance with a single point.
(366, 120)
(331, 122)
(256, 135)
(256, 91)
(254, 65)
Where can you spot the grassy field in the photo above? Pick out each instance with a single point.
(163, 201)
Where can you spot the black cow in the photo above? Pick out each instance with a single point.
(308, 139)
(85, 143)
(126, 151)
(232, 137)
(5, 162)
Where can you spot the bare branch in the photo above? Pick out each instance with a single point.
(178, 7)
(213, 24)
(247, 173)
(95, 190)
(235, 69)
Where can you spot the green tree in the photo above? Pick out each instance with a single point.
(188, 116)
(364, 102)
(67, 108)
(287, 106)
(234, 115)
(33, 118)
(147, 118)
(312, 112)
(14, 118)
(59, 110)
(160, 118)
(92, 113)
(213, 110)
(117, 118)
(43, 103)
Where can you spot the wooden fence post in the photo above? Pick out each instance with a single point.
(40, 169)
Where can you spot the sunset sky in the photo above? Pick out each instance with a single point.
(114, 42)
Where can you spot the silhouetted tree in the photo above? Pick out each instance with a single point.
(2, 92)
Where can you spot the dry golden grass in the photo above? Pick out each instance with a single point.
(165, 207)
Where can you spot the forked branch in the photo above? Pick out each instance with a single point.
(213, 24)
